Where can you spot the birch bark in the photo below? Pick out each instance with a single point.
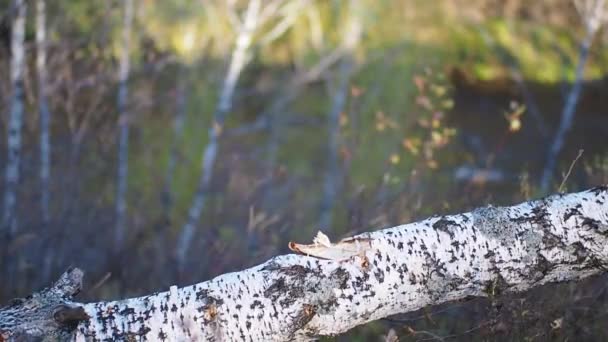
(329, 288)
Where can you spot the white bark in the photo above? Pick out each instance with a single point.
(237, 62)
(16, 116)
(374, 275)
(332, 288)
(43, 109)
(123, 124)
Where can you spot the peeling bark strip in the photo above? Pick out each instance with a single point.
(337, 286)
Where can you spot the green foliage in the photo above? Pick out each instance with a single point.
(393, 128)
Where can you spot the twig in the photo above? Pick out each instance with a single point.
(466, 332)
(561, 186)
(100, 282)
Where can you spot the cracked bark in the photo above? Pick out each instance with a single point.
(334, 287)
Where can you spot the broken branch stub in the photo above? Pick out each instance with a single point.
(48, 314)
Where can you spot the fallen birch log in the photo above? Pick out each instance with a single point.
(328, 288)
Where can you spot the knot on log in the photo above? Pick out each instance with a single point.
(45, 314)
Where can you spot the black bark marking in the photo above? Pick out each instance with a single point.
(572, 211)
(541, 268)
(599, 189)
(302, 318)
(444, 225)
(379, 275)
(595, 225)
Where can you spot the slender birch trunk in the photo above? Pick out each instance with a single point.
(594, 13)
(269, 119)
(43, 109)
(329, 288)
(237, 62)
(45, 122)
(333, 180)
(567, 116)
(15, 116)
(123, 125)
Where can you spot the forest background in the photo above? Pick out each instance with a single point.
(166, 142)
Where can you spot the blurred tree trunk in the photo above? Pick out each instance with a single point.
(123, 124)
(269, 119)
(181, 95)
(273, 197)
(594, 14)
(15, 116)
(43, 109)
(332, 184)
(329, 288)
(237, 62)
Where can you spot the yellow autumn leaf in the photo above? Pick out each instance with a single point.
(436, 137)
(439, 90)
(447, 104)
(515, 125)
(343, 119)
